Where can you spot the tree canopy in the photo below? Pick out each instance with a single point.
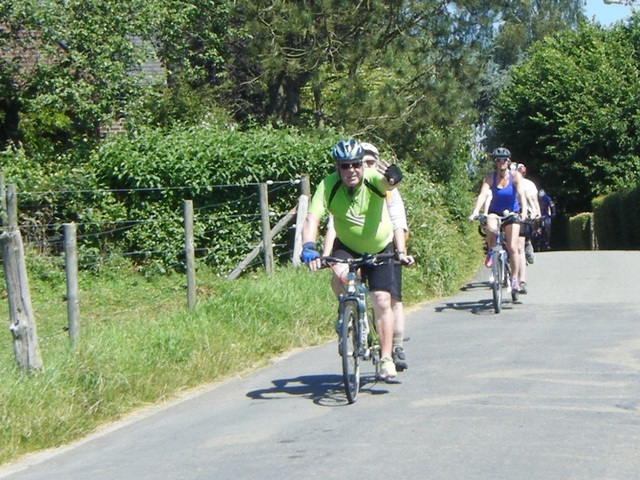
(414, 75)
(571, 113)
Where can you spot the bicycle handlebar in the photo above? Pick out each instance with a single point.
(366, 259)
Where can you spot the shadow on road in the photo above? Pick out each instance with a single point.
(477, 307)
(324, 390)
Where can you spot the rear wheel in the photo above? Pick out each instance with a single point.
(349, 349)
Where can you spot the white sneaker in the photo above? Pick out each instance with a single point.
(387, 368)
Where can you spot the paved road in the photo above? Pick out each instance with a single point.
(548, 389)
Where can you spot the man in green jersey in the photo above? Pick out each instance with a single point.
(356, 198)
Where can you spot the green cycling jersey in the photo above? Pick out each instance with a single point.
(361, 218)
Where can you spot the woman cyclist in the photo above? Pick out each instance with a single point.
(506, 188)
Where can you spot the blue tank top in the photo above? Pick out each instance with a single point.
(504, 198)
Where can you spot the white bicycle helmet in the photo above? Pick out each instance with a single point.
(370, 148)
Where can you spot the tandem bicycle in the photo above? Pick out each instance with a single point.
(358, 338)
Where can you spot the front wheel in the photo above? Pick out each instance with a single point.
(349, 336)
(498, 281)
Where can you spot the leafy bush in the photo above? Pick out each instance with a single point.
(580, 231)
(617, 220)
(218, 169)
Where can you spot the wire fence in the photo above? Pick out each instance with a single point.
(94, 233)
(227, 222)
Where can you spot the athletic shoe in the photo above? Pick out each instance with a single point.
(338, 325)
(488, 262)
(528, 253)
(387, 368)
(399, 358)
(515, 285)
(523, 288)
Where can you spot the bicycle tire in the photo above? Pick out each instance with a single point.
(373, 342)
(349, 338)
(497, 284)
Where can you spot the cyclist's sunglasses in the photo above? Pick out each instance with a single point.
(501, 159)
(348, 165)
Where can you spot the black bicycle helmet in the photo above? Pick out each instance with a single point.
(348, 150)
(501, 152)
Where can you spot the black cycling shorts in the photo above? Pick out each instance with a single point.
(378, 277)
(526, 229)
(508, 221)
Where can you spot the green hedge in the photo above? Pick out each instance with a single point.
(617, 220)
(133, 188)
(580, 232)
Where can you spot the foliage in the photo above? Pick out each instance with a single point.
(570, 113)
(617, 220)
(218, 169)
(527, 22)
(52, 193)
(77, 66)
(75, 69)
(580, 231)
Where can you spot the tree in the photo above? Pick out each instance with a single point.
(72, 66)
(570, 112)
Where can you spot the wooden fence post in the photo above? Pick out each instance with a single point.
(305, 188)
(12, 207)
(266, 228)
(22, 324)
(71, 269)
(190, 254)
(3, 201)
(303, 205)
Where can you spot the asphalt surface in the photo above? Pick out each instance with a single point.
(547, 389)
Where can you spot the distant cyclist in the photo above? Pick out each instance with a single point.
(356, 197)
(548, 211)
(507, 194)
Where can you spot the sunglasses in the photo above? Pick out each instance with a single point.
(347, 165)
(501, 159)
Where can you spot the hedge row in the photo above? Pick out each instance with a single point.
(617, 220)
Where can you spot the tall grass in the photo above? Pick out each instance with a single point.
(140, 346)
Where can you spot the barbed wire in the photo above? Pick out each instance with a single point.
(93, 252)
(294, 181)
